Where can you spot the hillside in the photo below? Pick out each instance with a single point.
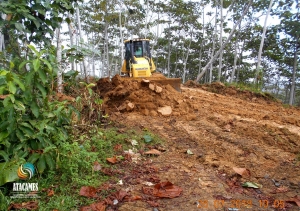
(231, 129)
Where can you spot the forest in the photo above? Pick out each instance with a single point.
(229, 41)
(66, 117)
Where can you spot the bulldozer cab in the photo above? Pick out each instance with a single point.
(138, 48)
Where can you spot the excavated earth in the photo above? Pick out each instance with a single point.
(224, 128)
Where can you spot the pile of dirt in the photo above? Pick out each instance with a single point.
(220, 88)
(144, 96)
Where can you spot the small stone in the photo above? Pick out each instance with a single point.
(165, 111)
(158, 89)
(129, 106)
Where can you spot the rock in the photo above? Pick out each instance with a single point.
(122, 107)
(152, 86)
(165, 111)
(179, 101)
(158, 89)
(129, 106)
(145, 81)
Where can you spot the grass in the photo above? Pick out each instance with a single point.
(75, 167)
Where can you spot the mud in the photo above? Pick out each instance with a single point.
(225, 129)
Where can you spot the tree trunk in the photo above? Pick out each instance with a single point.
(122, 41)
(2, 41)
(202, 41)
(292, 92)
(58, 58)
(228, 39)
(85, 70)
(221, 41)
(71, 39)
(169, 51)
(262, 44)
(235, 58)
(186, 58)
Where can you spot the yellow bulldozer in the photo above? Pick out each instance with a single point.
(138, 64)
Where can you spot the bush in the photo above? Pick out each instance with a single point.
(32, 126)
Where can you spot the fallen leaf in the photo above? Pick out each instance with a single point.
(97, 166)
(281, 189)
(100, 206)
(30, 205)
(153, 152)
(112, 160)
(50, 192)
(120, 195)
(189, 152)
(242, 171)
(251, 185)
(88, 191)
(118, 147)
(134, 143)
(164, 190)
(135, 198)
(295, 199)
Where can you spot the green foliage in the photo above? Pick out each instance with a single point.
(32, 126)
(34, 18)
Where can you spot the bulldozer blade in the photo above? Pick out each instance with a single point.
(174, 82)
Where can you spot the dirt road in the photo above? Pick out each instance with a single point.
(258, 137)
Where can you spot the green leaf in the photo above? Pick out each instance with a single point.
(4, 155)
(22, 64)
(3, 72)
(48, 64)
(35, 109)
(50, 162)
(29, 79)
(8, 172)
(12, 87)
(37, 24)
(3, 135)
(41, 164)
(19, 106)
(251, 185)
(91, 85)
(147, 138)
(19, 27)
(17, 81)
(11, 65)
(27, 131)
(42, 89)
(20, 135)
(12, 98)
(36, 64)
(34, 50)
(33, 158)
(42, 75)
(7, 102)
